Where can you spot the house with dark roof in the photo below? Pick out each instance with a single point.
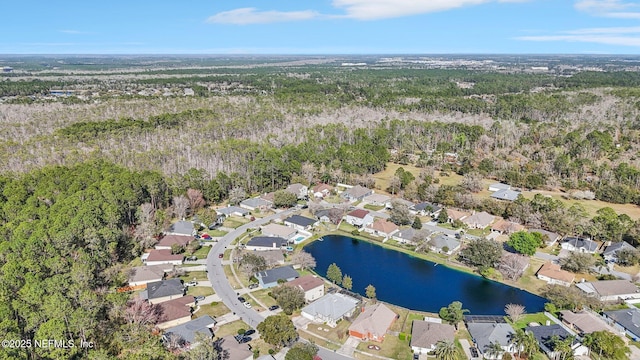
(330, 309)
(232, 211)
(426, 208)
(610, 290)
(181, 228)
(611, 252)
(582, 322)
(406, 236)
(626, 320)
(547, 335)
(164, 290)
(580, 245)
(425, 335)
(186, 333)
(300, 222)
(269, 278)
(175, 312)
(359, 218)
(142, 275)
(168, 241)
(549, 237)
(256, 203)
(506, 195)
(373, 323)
(484, 334)
(356, 193)
(443, 244)
(264, 243)
(312, 286)
(381, 227)
(159, 257)
(553, 274)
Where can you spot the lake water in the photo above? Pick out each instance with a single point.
(414, 283)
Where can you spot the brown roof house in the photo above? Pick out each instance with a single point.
(583, 322)
(164, 256)
(503, 226)
(381, 227)
(372, 324)
(425, 335)
(322, 190)
(610, 290)
(175, 312)
(142, 275)
(169, 240)
(453, 215)
(313, 287)
(479, 220)
(553, 274)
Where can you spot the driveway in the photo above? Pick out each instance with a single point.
(349, 346)
(544, 256)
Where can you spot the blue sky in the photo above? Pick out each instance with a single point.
(321, 27)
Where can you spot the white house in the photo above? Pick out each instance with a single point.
(580, 245)
(425, 335)
(299, 190)
(313, 287)
(499, 186)
(381, 227)
(330, 308)
(553, 274)
(300, 222)
(359, 217)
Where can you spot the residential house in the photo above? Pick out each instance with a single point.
(479, 220)
(312, 286)
(323, 215)
(372, 324)
(506, 195)
(299, 190)
(580, 245)
(359, 218)
(175, 312)
(377, 199)
(168, 241)
(158, 257)
(499, 186)
(610, 290)
(507, 227)
(269, 278)
(164, 290)
(398, 200)
(264, 243)
(426, 209)
(381, 227)
(548, 335)
(232, 211)
(583, 322)
(610, 254)
(330, 308)
(548, 237)
(300, 222)
(273, 257)
(356, 193)
(142, 275)
(278, 230)
(425, 335)
(234, 349)
(443, 244)
(257, 203)
(625, 320)
(453, 215)
(186, 333)
(553, 274)
(407, 235)
(268, 197)
(181, 228)
(322, 190)
(484, 334)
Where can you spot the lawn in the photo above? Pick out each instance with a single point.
(234, 222)
(392, 347)
(197, 275)
(199, 291)
(202, 252)
(263, 297)
(232, 279)
(214, 309)
(231, 328)
(346, 227)
(374, 207)
(217, 233)
(318, 341)
(337, 334)
(540, 318)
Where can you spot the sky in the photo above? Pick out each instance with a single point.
(321, 27)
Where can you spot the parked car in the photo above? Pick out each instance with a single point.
(247, 305)
(416, 356)
(253, 286)
(242, 299)
(199, 298)
(245, 339)
(214, 226)
(274, 307)
(191, 258)
(249, 332)
(474, 352)
(220, 256)
(191, 283)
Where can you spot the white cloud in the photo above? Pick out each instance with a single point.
(610, 8)
(624, 36)
(244, 16)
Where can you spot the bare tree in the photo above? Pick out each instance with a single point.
(472, 182)
(515, 311)
(308, 172)
(236, 195)
(394, 184)
(196, 200)
(304, 259)
(141, 312)
(180, 206)
(512, 266)
(147, 225)
(336, 214)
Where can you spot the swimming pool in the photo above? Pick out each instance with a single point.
(298, 239)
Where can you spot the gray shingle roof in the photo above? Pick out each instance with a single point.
(441, 241)
(331, 306)
(273, 275)
(255, 202)
(267, 241)
(486, 333)
(188, 330)
(182, 227)
(300, 220)
(159, 289)
(615, 247)
(628, 318)
(229, 210)
(425, 334)
(545, 335)
(506, 194)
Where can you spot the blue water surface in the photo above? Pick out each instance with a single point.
(414, 283)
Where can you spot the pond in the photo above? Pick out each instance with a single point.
(414, 283)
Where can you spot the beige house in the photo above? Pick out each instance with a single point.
(425, 335)
(381, 227)
(313, 287)
(479, 220)
(169, 240)
(503, 226)
(142, 275)
(553, 274)
(372, 324)
(278, 230)
(175, 312)
(164, 256)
